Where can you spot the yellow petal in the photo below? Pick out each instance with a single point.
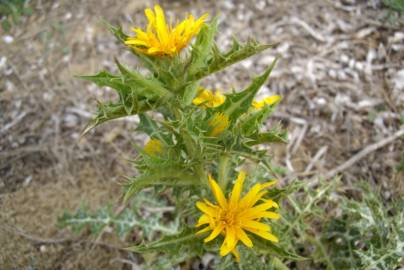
(236, 254)
(250, 224)
(243, 237)
(251, 214)
(274, 204)
(150, 16)
(238, 186)
(206, 209)
(264, 234)
(272, 99)
(229, 243)
(264, 206)
(153, 147)
(218, 229)
(217, 192)
(161, 25)
(218, 123)
(245, 202)
(269, 183)
(258, 104)
(204, 219)
(204, 230)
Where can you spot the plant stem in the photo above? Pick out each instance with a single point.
(278, 264)
(224, 168)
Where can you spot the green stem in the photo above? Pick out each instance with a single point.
(224, 169)
(278, 264)
(320, 246)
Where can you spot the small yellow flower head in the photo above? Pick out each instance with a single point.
(234, 216)
(162, 39)
(218, 123)
(153, 147)
(207, 99)
(271, 100)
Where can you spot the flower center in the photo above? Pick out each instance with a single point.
(228, 217)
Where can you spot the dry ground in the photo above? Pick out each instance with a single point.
(341, 74)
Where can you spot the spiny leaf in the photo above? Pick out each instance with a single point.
(236, 54)
(172, 242)
(148, 87)
(250, 122)
(239, 103)
(116, 31)
(168, 177)
(202, 47)
(105, 78)
(190, 92)
(267, 247)
(274, 136)
(107, 112)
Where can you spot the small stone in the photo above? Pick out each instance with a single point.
(70, 120)
(398, 79)
(42, 248)
(332, 73)
(359, 66)
(344, 58)
(8, 39)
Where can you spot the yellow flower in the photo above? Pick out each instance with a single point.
(162, 39)
(271, 100)
(232, 217)
(218, 123)
(153, 147)
(206, 98)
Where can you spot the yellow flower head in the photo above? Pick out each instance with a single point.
(271, 100)
(235, 216)
(153, 147)
(208, 98)
(218, 123)
(162, 39)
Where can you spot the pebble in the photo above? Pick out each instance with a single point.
(398, 79)
(8, 39)
(3, 61)
(70, 120)
(344, 58)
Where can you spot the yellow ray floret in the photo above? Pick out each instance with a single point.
(209, 99)
(236, 216)
(153, 147)
(218, 124)
(163, 39)
(271, 100)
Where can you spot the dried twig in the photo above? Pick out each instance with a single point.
(13, 123)
(363, 153)
(316, 157)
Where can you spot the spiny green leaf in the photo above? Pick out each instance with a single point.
(116, 31)
(190, 92)
(172, 242)
(202, 47)
(239, 103)
(148, 87)
(107, 112)
(274, 136)
(237, 53)
(250, 122)
(105, 78)
(267, 247)
(168, 177)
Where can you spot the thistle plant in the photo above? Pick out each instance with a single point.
(197, 135)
